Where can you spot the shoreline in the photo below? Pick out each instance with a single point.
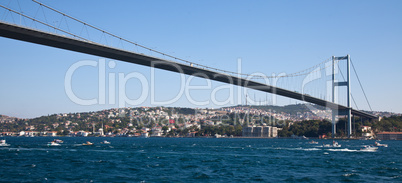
(212, 137)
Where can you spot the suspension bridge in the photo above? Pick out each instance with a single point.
(31, 29)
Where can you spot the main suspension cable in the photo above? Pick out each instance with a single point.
(361, 86)
(300, 73)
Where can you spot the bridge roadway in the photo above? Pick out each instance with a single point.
(59, 41)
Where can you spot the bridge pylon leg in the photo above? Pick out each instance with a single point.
(333, 123)
(349, 116)
(349, 111)
(346, 83)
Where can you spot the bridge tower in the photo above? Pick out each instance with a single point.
(346, 83)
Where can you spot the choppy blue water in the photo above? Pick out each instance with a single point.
(29, 159)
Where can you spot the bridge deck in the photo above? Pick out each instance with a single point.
(54, 40)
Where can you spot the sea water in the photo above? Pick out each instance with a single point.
(30, 159)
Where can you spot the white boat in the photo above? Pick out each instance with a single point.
(53, 143)
(334, 144)
(369, 149)
(377, 144)
(58, 141)
(87, 143)
(105, 142)
(326, 145)
(3, 143)
(313, 142)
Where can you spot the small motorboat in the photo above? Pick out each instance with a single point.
(334, 144)
(87, 143)
(53, 143)
(377, 144)
(105, 142)
(3, 143)
(326, 145)
(313, 142)
(369, 149)
(58, 141)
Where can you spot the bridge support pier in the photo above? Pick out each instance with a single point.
(333, 123)
(349, 116)
(348, 96)
(346, 83)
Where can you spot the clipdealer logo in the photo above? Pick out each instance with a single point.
(146, 88)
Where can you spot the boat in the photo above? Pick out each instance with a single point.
(313, 142)
(377, 144)
(58, 141)
(53, 143)
(105, 142)
(334, 144)
(369, 149)
(87, 143)
(3, 143)
(326, 145)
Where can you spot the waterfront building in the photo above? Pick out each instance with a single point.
(247, 131)
(51, 133)
(260, 131)
(266, 131)
(144, 135)
(367, 132)
(156, 132)
(389, 136)
(274, 132)
(9, 133)
(257, 131)
(82, 133)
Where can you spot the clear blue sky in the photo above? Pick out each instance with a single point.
(269, 37)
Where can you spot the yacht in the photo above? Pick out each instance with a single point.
(3, 143)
